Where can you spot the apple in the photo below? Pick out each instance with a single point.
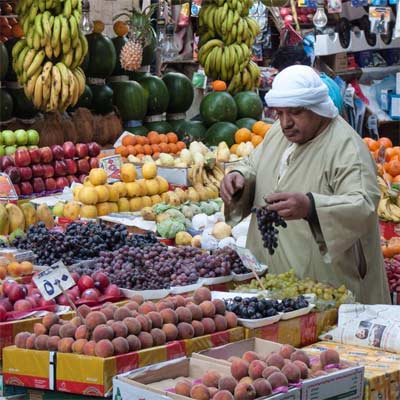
(82, 178)
(50, 184)
(101, 280)
(33, 300)
(58, 152)
(3, 314)
(62, 300)
(15, 293)
(72, 179)
(69, 150)
(46, 154)
(22, 305)
(21, 137)
(1, 138)
(17, 189)
(37, 170)
(9, 137)
(72, 168)
(46, 303)
(93, 162)
(33, 137)
(62, 182)
(6, 161)
(75, 276)
(35, 155)
(60, 168)
(81, 150)
(13, 173)
(10, 150)
(85, 282)
(22, 158)
(2, 150)
(83, 166)
(6, 304)
(7, 285)
(90, 295)
(94, 149)
(48, 171)
(22, 148)
(26, 188)
(112, 291)
(74, 292)
(26, 173)
(38, 185)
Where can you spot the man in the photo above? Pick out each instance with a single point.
(315, 171)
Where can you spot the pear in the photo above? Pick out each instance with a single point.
(58, 209)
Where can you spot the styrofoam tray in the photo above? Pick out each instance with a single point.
(229, 295)
(259, 323)
(216, 281)
(297, 313)
(185, 289)
(249, 275)
(147, 294)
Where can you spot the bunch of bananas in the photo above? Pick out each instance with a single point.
(227, 34)
(387, 209)
(46, 61)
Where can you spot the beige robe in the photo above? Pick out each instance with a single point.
(337, 168)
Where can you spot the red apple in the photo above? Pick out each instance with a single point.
(25, 173)
(72, 179)
(6, 161)
(22, 158)
(82, 178)
(15, 293)
(62, 300)
(58, 152)
(112, 291)
(35, 155)
(90, 294)
(13, 173)
(26, 188)
(3, 314)
(83, 166)
(69, 150)
(45, 303)
(23, 305)
(101, 280)
(75, 276)
(60, 168)
(74, 293)
(50, 184)
(72, 168)
(7, 285)
(6, 304)
(17, 189)
(85, 282)
(94, 162)
(62, 182)
(33, 300)
(37, 170)
(81, 150)
(46, 154)
(94, 149)
(38, 185)
(48, 171)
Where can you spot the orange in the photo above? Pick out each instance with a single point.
(14, 269)
(163, 138)
(147, 149)
(26, 268)
(140, 140)
(122, 150)
(390, 153)
(140, 156)
(129, 140)
(120, 28)
(256, 140)
(260, 128)
(388, 251)
(386, 142)
(164, 147)
(173, 148)
(3, 272)
(242, 135)
(139, 149)
(371, 143)
(98, 26)
(156, 148)
(218, 86)
(156, 155)
(396, 179)
(153, 137)
(234, 148)
(131, 149)
(146, 141)
(393, 167)
(181, 145)
(172, 137)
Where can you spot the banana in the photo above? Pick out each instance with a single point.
(212, 57)
(30, 85)
(36, 41)
(18, 47)
(30, 55)
(67, 8)
(29, 39)
(37, 62)
(80, 78)
(223, 67)
(49, 4)
(46, 76)
(218, 60)
(42, 5)
(77, 56)
(74, 3)
(75, 92)
(33, 12)
(68, 58)
(48, 50)
(56, 80)
(74, 29)
(65, 33)
(85, 46)
(38, 25)
(66, 47)
(63, 71)
(20, 61)
(55, 37)
(46, 24)
(394, 211)
(57, 50)
(230, 20)
(51, 21)
(38, 93)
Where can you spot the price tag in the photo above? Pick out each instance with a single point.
(48, 281)
(248, 259)
(7, 191)
(112, 165)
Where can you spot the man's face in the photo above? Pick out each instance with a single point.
(299, 125)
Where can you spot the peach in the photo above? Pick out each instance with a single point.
(303, 368)
(184, 314)
(95, 318)
(227, 383)
(67, 330)
(169, 316)
(201, 294)
(120, 329)
(52, 344)
(76, 321)
(121, 313)
(65, 345)
(146, 307)
(199, 392)
(189, 300)
(121, 345)
(156, 319)
(208, 309)
(30, 342)
(185, 330)
(211, 378)
(245, 391)
(179, 301)
(89, 347)
(209, 325)
(104, 348)
(77, 346)
(263, 387)
(316, 374)
(159, 337)
(300, 355)
(275, 360)
(250, 356)
(39, 329)
(55, 330)
(145, 322)
(231, 319)
(183, 387)
(219, 306)
(197, 314)
(133, 325)
(277, 379)
(256, 369)
(246, 379)
(134, 343)
(198, 328)
(84, 310)
(138, 298)
(50, 319)
(82, 332)
(164, 304)
(223, 395)
(220, 323)
(212, 391)
(132, 305)
(292, 373)
(102, 332)
(41, 342)
(286, 351)
(329, 357)
(239, 368)
(108, 313)
(146, 340)
(20, 339)
(171, 332)
(270, 370)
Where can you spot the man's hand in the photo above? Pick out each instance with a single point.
(231, 184)
(289, 206)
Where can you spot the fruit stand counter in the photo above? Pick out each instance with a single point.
(298, 332)
(389, 229)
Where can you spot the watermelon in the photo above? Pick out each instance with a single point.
(245, 123)
(137, 130)
(23, 107)
(159, 126)
(249, 105)
(130, 99)
(6, 105)
(221, 132)
(156, 94)
(176, 124)
(86, 98)
(217, 107)
(181, 92)
(3, 61)
(195, 129)
(102, 98)
(102, 56)
(119, 42)
(137, 75)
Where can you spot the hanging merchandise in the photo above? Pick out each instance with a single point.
(86, 24)
(320, 19)
(184, 16)
(380, 18)
(397, 25)
(359, 3)
(170, 49)
(334, 6)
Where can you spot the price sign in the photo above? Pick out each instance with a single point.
(50, 280)
(112, 165)
(248, 259)
(7, 191)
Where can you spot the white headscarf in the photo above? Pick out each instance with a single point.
(300, 86)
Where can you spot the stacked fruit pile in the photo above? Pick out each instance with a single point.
(392, 267)
(137, 325)
(16, 269)
(227, 35)
(10, 141)
(47, 60)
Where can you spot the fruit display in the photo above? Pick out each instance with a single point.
(15, 269)
(227, 35)
(206, 182)
(390, 248)
(232, 256)
(392, 267)
(47, 60)
(304, 15)
(137, 325)
(389, 203)
(10, 140)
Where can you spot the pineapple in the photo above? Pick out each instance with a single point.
(131, 55)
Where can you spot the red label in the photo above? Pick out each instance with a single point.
(220, 338)
(175, 350)
(6, 335)
(308, 329)
(127, 362)
(25, 380)
(269, 332)
(80, 388)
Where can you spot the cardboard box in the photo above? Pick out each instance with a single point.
(156, 382)
(394, 107)
(52, 395)
(345, 384)
(338, 62)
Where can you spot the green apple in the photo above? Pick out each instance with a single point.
(2, 151)
(10, 150)
(9, 137)
(1, 138)
(33, 136)
(21, 137)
